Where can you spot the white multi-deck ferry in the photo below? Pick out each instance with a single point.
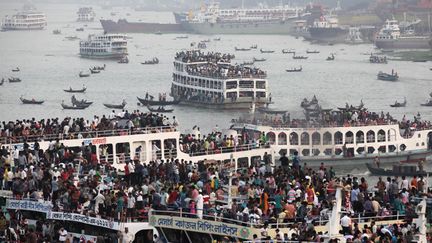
(337, 144)
(28, 19)
(261, 20)
(86, 14)
(104, 46)
(210, 80)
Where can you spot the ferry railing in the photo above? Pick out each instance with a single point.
(86, 134)
(316, 221)
(222, 150)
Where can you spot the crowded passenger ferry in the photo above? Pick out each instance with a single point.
(350, 134)
(210, 80)
(133, 176)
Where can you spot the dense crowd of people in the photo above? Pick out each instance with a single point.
(199, 56)
(340, 118)
(217, 70)
(195, 143)
(263, 194)
(216, 65)
(68, 128)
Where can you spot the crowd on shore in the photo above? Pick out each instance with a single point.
(263, 194)
(31, 130)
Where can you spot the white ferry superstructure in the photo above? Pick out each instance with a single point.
(344, 144)
(104, 46)
(26, 20)
(86, 14)
(156, 143)
(224, 90)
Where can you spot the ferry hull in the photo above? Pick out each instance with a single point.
(6, 28)
(225, 106)
(328, 34)
(409, 43)
(103, 56)
(385, 159)
(286, 27)
(123, 26)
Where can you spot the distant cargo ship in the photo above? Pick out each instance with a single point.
(214, 20)
(327, 29)
(124, 26)
(390, 37)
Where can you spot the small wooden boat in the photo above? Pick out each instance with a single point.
(299, 57)
(32, 101)
(16, 69)
(312, 51)
(158, 33)
(80, 102)
(73, 107)
(124, 60)
(254, 46)
(94, 71)
(242, 49)
(100, 68)
(147, 102)
(295, 69)
(206, 41)
(288, 51)
(70, 90)
(83, 75)
(155, 60)
(121, 106)
(330, 58)
(217, 39)
(259, 59)
(160, 109)
(419, 60)
(71, 38)
(397, 170)
(80, 29)
(182, 37)
(2, 81)
(14, 80)
(57, 32)
(429, 103)
(388, 77)
(305, 103)
(397, 104)
(266, 51)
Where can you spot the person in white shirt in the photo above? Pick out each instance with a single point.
(62, 234)
(346, 224)
(127, 236)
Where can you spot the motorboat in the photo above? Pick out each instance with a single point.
(397, 170)
(295, 69)
(155, 60)
(14, 80)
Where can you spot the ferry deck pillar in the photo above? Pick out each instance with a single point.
(334, 222)
(421, 221)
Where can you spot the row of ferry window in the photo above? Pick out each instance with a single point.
(348, 152)
(231, 94)
(93, 50)
(329, 139)
(197, 82)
